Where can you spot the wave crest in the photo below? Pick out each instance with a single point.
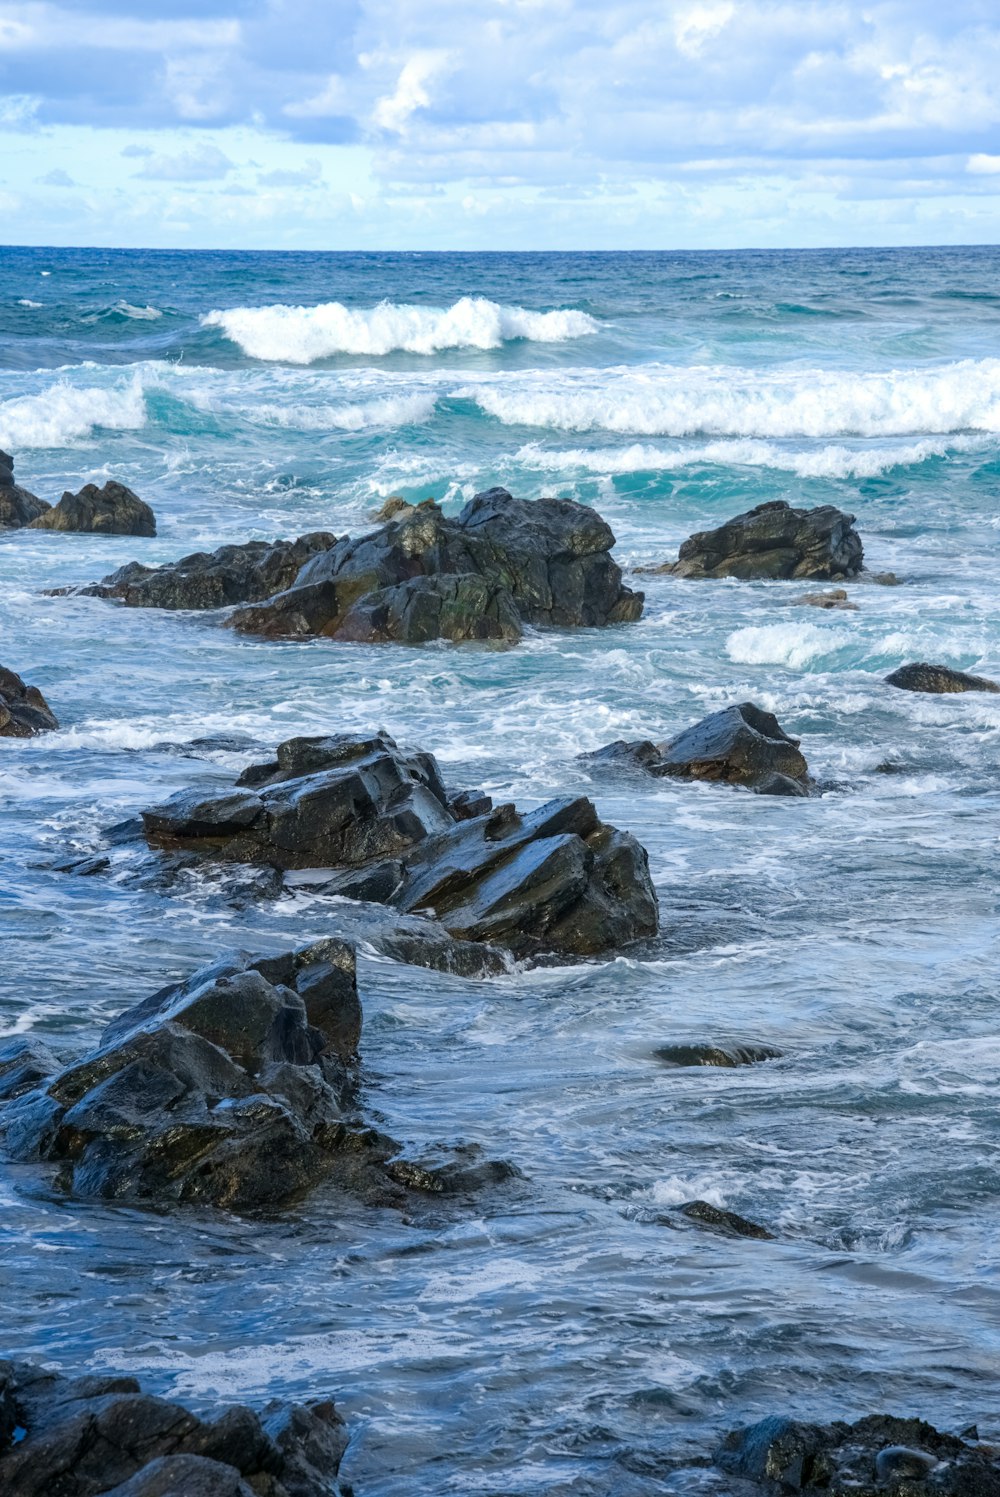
(66, 413)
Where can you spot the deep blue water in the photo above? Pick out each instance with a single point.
(573, 1335)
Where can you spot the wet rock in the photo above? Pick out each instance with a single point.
(836, 598)
(503, 563)
(81, 1437)
(85, 867)
(554, 880)
(214, 579)
(17, 507)
(874, 1457)
(774, 541)
(24, 1062)
(23, 710)
(727, 1056)
(112, 509)
(393, 506)
(741, 745)
(728, 1222)
(940, 680)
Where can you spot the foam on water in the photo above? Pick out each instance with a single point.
(64, 413)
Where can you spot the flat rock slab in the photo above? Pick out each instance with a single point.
(23, 710)
(774, 540)
(742, 745)
(213, 579)
(938, 680)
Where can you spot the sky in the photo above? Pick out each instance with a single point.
(499, 124)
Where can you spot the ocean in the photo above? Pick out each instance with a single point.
(575, 1335)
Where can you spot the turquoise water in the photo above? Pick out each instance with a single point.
(574, 1334)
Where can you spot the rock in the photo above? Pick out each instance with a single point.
(17, 507)
(727, 1056)
(774, 540)
(836, 598)
(883, 579)
(102, 1435)
(24, 1062)
(940, 680)
(213, 579)
(23, 710)
(727, 1222)
(393, 506)
(555, 880)
(874, 1457)
(112, 509)
(503, 563)
(741, 745)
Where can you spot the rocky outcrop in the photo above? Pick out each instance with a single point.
(101, 1436)
(874, 1457)
(726, 1056)
(503, 563)
(17, 507)
(213, 579)
(740, 745)
(938, 680)
(835, 598)
(553, 880)
(23, 710)
(774, 540)
(112, 509)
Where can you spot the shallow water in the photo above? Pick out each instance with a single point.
(571, 1332)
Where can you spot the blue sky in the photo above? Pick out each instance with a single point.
(513, 124)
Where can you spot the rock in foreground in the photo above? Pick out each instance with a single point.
(553, 880)
(112, 509)
(774, 541)
(939, 680)
(17, 507)
(503, 563)
(741, 745)
(82, 1437)
(213, 579)
(23, 710)
(875, 1457)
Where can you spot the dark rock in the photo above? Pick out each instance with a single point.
(939, 680)
(112, 509)
(24, 1062)
(465, 804)
(86, 867)
(216, 579)
(393, 506)
(17, 507)
(555, 880)
(716, 1055)
(741, 745)
(727, 1222)
(836, 598)
(503, 563)
(103, 1435)
(23, 710)
(774, 540)
(875, 1457)
(779, 784)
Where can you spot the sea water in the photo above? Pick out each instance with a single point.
(573, 1333)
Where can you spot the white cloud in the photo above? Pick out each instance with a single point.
(202, 163)
(393, 111)
(983, 165)
(694, 28)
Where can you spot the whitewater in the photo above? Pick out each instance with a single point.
(578, 1334)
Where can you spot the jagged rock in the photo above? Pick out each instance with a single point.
(393, 506)
(554, 880)
(940, 680)
(503, 563)
(741, 745)
(836, 598)
(23, 710)
(213, 579)
(727, 1056)
(730, 1223)
(80, 1437)
(17, 507)
(875, 1457)
(773, 540)
(112, 509)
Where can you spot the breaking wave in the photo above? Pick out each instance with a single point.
(66, 413)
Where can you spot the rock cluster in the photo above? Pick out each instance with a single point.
(774, 541)
(213, 579)
(17, 507)
(938, 680)
(875, 1457)
(552, 880)
(101, 1436)
(111, 509)
(741, 745)
(23, 710)
(502, 564)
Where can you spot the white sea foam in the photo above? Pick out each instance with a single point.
(300, 335)
(384, 411)
(25, 301)
(794, 644)
(65, 413)
(675, 401)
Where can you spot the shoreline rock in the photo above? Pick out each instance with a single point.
(24, 712)
(773, 541)
(938, 680)
(111, 509)
(18, 507)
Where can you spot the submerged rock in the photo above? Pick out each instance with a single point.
(503, 563)
(836, 598)
(939, 680)
(213, 579)
(730, 1223)
(23, 710)
(727, 1056)
(554, 880)
(100, 1434)
(17, 507)
(112, 509)
(741, 745)
(774, 541)
(874, 1457)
